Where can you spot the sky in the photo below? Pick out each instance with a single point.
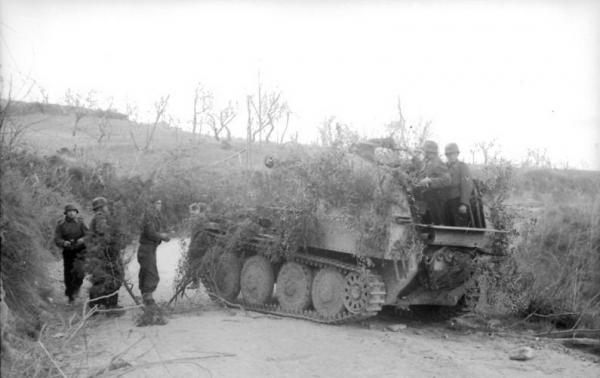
(523, 74)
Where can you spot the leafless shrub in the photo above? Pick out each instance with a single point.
(160, 108)
(203, 107)
(265, 110)
(79, 106)
(220, 122)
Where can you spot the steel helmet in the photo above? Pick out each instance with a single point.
(98, 202)
(430, 146)
(451, 148)
(70, 207)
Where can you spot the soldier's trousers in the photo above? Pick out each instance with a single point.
(73, 268)
(148, 276)
(454, 217)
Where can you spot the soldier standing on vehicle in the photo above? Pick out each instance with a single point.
(151, 236)
(458, 211)
(69, 235)
(431, 187)
(105, 263)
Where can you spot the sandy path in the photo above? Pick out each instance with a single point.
(265, 346)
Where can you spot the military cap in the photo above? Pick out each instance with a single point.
(70, 207)
(451, 148)
(430, 146)
(98, 202)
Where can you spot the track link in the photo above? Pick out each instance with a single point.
(376, 293)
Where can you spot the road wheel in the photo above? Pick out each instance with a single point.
(294, 284)
(227, 276)
(356, 292)
(257, 280)
(328, 292)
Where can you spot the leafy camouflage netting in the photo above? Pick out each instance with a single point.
(284, 200)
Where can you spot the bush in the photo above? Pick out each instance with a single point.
(28, 218)
(560, 250)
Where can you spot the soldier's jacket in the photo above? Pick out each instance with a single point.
(151, 228)
(461, 183)
(106, 231)
(99, 232)
(437, 171)
(70, 230)
(105, 241)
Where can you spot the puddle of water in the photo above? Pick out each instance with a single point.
(167, 258)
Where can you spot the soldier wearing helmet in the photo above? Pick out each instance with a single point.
(151, 236)
(104, 261)
(434, 178)
(458, 212)
(69, 235)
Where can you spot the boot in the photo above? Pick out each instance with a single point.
(148, 300)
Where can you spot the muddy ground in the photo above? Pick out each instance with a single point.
(204, 340)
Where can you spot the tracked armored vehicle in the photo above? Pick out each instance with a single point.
(335, 275)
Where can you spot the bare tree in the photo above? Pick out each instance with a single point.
(336, 134)
(11, 129)
(80, 106)
(407, 136)
(537, 158)
(488, 150)
(267, 109)
(104, 124)
(397, 129)
(226, 115)
(326, 133)
(287, 123)
(160, 107)
(203, 104)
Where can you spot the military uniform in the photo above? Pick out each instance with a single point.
(433, 197)
(150, 238)
(105, 263)
(66, 236)
(459, 193)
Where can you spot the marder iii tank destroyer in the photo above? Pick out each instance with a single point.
(336, 274)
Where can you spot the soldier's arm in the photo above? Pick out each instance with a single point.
(149, 229)
(84, 230)
(101, 227)
(466, 184)
(442, 178)
(58, 239)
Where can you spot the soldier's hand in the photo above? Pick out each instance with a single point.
(424, 182)
(66, 243)
(462, 209)
(80, 241)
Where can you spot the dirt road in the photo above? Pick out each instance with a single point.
(204, 340)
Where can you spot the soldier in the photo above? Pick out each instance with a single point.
(458, 212)
(150, 238)
(430, 189)
(104, 262)
(69, 235)
(198, 240)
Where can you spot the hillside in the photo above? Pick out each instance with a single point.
(108, 137)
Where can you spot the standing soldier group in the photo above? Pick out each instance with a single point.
(97, 251)
(446, 190)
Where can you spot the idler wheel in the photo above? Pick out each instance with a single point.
(294, 283)
(257, 280)
(356, 292)
(227, 276)
(328, 292)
